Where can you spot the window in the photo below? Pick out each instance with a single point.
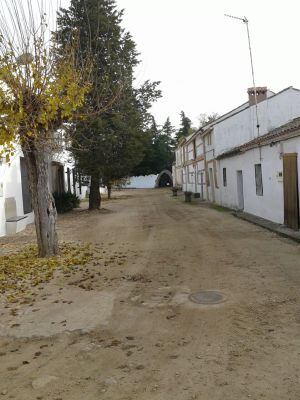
(224, 177)
(200, 177)
(191, 175)
(207, 179)
(194, 149)
(184, 154)
(198, 150)
(258, 180)
(208, 139)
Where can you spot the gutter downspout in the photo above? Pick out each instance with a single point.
(195, 175)
(205, 167)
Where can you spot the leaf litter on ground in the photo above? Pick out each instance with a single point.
(21, 271)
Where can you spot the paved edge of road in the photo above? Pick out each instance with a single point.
(269, 225)
(280, 230)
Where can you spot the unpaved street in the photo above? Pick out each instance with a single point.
(125, 329)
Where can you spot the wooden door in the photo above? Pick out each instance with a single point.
(291, 191)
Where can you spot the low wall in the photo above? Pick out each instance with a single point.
(141, 182)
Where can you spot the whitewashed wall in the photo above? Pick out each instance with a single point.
(141, 182)
(184, 178)
(66, 159)
(241, 128)
(177, 175)
(269, 206)
(190, 184)
(191, 173)
(177, 169)
(11, 186)
(200, 186)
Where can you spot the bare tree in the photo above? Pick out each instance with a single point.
(39, 92)
(205, 119)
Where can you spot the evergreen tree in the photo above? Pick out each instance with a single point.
(126, 140)
(168, 129)
(159, 150)
(185, 128)
(108, 145)
(169, 143)
(147, 165)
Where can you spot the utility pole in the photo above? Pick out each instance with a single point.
(246, 22)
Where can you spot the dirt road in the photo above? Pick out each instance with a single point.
(125, 327)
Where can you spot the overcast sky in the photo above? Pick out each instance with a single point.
(202, 58)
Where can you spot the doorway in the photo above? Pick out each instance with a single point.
(212, 185)
(291, 191)
(202, 184)
(240, 190)
(26, 195)
(58, 179)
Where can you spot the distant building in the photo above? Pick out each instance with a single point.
(141, 182)
(164, 179)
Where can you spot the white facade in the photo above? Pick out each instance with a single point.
(11, 198)
(70, 180)
(240, 127)
(229, 173)
(15, 209)
(269, 205)
(177, 167)
(141, 182)
(189, 166)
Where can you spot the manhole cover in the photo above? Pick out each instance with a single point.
(207, 297)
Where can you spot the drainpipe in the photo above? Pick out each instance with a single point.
(195, 175)
(260, 155)
(205, 168)
(215, 171)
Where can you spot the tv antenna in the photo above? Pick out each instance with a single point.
(246, 22)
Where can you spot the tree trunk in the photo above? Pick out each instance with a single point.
(95, 197)
(109, 190)
(37, 160)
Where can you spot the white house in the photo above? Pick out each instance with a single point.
(189, 166)
(15, 203)
(261, 177)
(244, 166)
(15, 200)
(177, 168)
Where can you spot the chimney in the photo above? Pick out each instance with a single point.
(261, 94)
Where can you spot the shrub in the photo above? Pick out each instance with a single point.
(65, 202)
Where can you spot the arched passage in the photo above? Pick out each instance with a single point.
(164, 179)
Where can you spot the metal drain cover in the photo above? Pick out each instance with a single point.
(207, 297)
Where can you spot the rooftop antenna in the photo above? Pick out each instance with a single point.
(246, 22)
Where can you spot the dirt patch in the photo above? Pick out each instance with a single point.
(71, 309)
(123, 327)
